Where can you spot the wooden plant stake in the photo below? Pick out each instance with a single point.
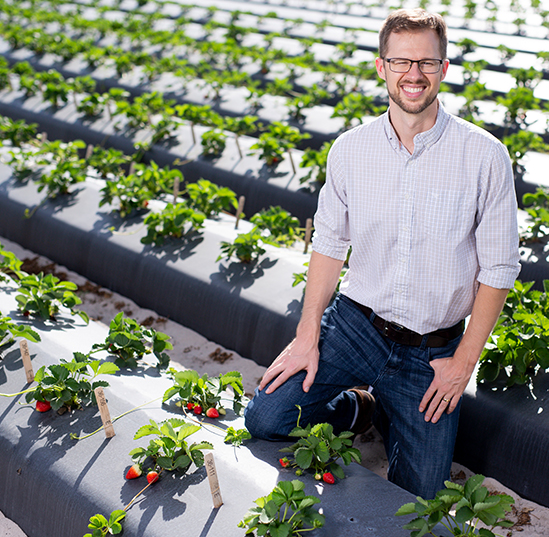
(104, 411)
(308, 233)
(241, 202)
(25, 356)
(212, 478)
(89, 151)
(175, 190)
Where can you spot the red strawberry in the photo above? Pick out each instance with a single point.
(212, 413)
(190, 405)
(197, 409)
(284, 462)
(152, 476)
(134, 471)
(327, 477)
(43, 406)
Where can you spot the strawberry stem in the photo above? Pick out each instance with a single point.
(74, 437)
(18, 393)
(140, 492)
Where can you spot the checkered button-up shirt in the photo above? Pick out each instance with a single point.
(425, 228)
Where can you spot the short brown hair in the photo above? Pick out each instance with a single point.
(413, 20)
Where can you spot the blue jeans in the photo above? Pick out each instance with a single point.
(354, 353)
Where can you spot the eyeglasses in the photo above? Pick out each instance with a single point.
(402, 65)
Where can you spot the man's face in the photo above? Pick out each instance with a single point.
(413, 92)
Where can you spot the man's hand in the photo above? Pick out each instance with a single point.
(453, 374)
(451, 378)
(299, 355)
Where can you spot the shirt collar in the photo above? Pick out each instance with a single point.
(423, 140)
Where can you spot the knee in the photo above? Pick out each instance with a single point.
(265, 420)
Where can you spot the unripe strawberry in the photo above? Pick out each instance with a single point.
(134, 471)
(318, 477)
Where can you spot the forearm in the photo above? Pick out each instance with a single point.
(486, 310)
(322, 278)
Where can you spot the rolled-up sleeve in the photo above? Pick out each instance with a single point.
(331, 236)
(496, 235)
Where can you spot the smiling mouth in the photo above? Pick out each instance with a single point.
(413, 90)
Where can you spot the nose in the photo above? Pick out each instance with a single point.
(415, 70)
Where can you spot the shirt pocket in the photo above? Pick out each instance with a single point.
(447, 214)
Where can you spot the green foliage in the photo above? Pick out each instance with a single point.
(9, 330)
(471, 502)
(269, 148)
(209, 198)
(284, 512)
(518, 347)
(318, 449)
(236, 436)
(213, 142)
(70, 384)
(205, 391)
(93, 105)
(169, 449)
(317, 161)
(519, 143)
(101, 527)
(42, 296)
(10, 264)
(283, 227)
(64, 166)
(17, 132)
(356, 106)
(537, 207)
(466, 45)
(129, 341)
(108, 162)
(247, 247)
(171, 222)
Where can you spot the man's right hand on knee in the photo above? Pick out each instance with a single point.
(300, 355)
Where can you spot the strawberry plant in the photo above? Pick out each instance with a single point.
(93, 105)
(537, 207)
(195, 114)
(171, 222)
(517, 349)
(42, 296)
(247, 247)
(317, 161)
(213, 142)
(460, 509)
(101, 527)
(240, 126)
(129, 341)
(269, 148)
(236, 436)
(356, 106)
(204, 391)
(10, 264)
(209, 198)
(283, 227)
(318, 449)
(169, 449)
(9, 330)
(17, 132)
(64, 166)
(70, 385)
(286, 511)
(519, 143)
(108, 162)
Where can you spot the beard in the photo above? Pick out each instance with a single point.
(412, 108)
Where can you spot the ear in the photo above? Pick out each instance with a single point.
(380, 68)
(445, 66)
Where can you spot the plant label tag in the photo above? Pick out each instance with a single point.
(212, 478)
(241, 202)
(175, 190)
(25, 356)
(104, 411)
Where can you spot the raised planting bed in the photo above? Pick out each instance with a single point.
(252, 308)
(51, 484)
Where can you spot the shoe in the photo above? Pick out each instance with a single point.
(366, 406)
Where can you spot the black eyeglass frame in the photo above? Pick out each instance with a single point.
(440, 62)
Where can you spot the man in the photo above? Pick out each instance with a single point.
(427, 202)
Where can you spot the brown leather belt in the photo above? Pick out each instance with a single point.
(405, 336)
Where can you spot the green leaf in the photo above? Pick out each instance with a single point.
(406, 509)
(304, 458)
(472, 484)
(464, 514)
(107, 368)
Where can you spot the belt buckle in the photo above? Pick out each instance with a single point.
(394, 326)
